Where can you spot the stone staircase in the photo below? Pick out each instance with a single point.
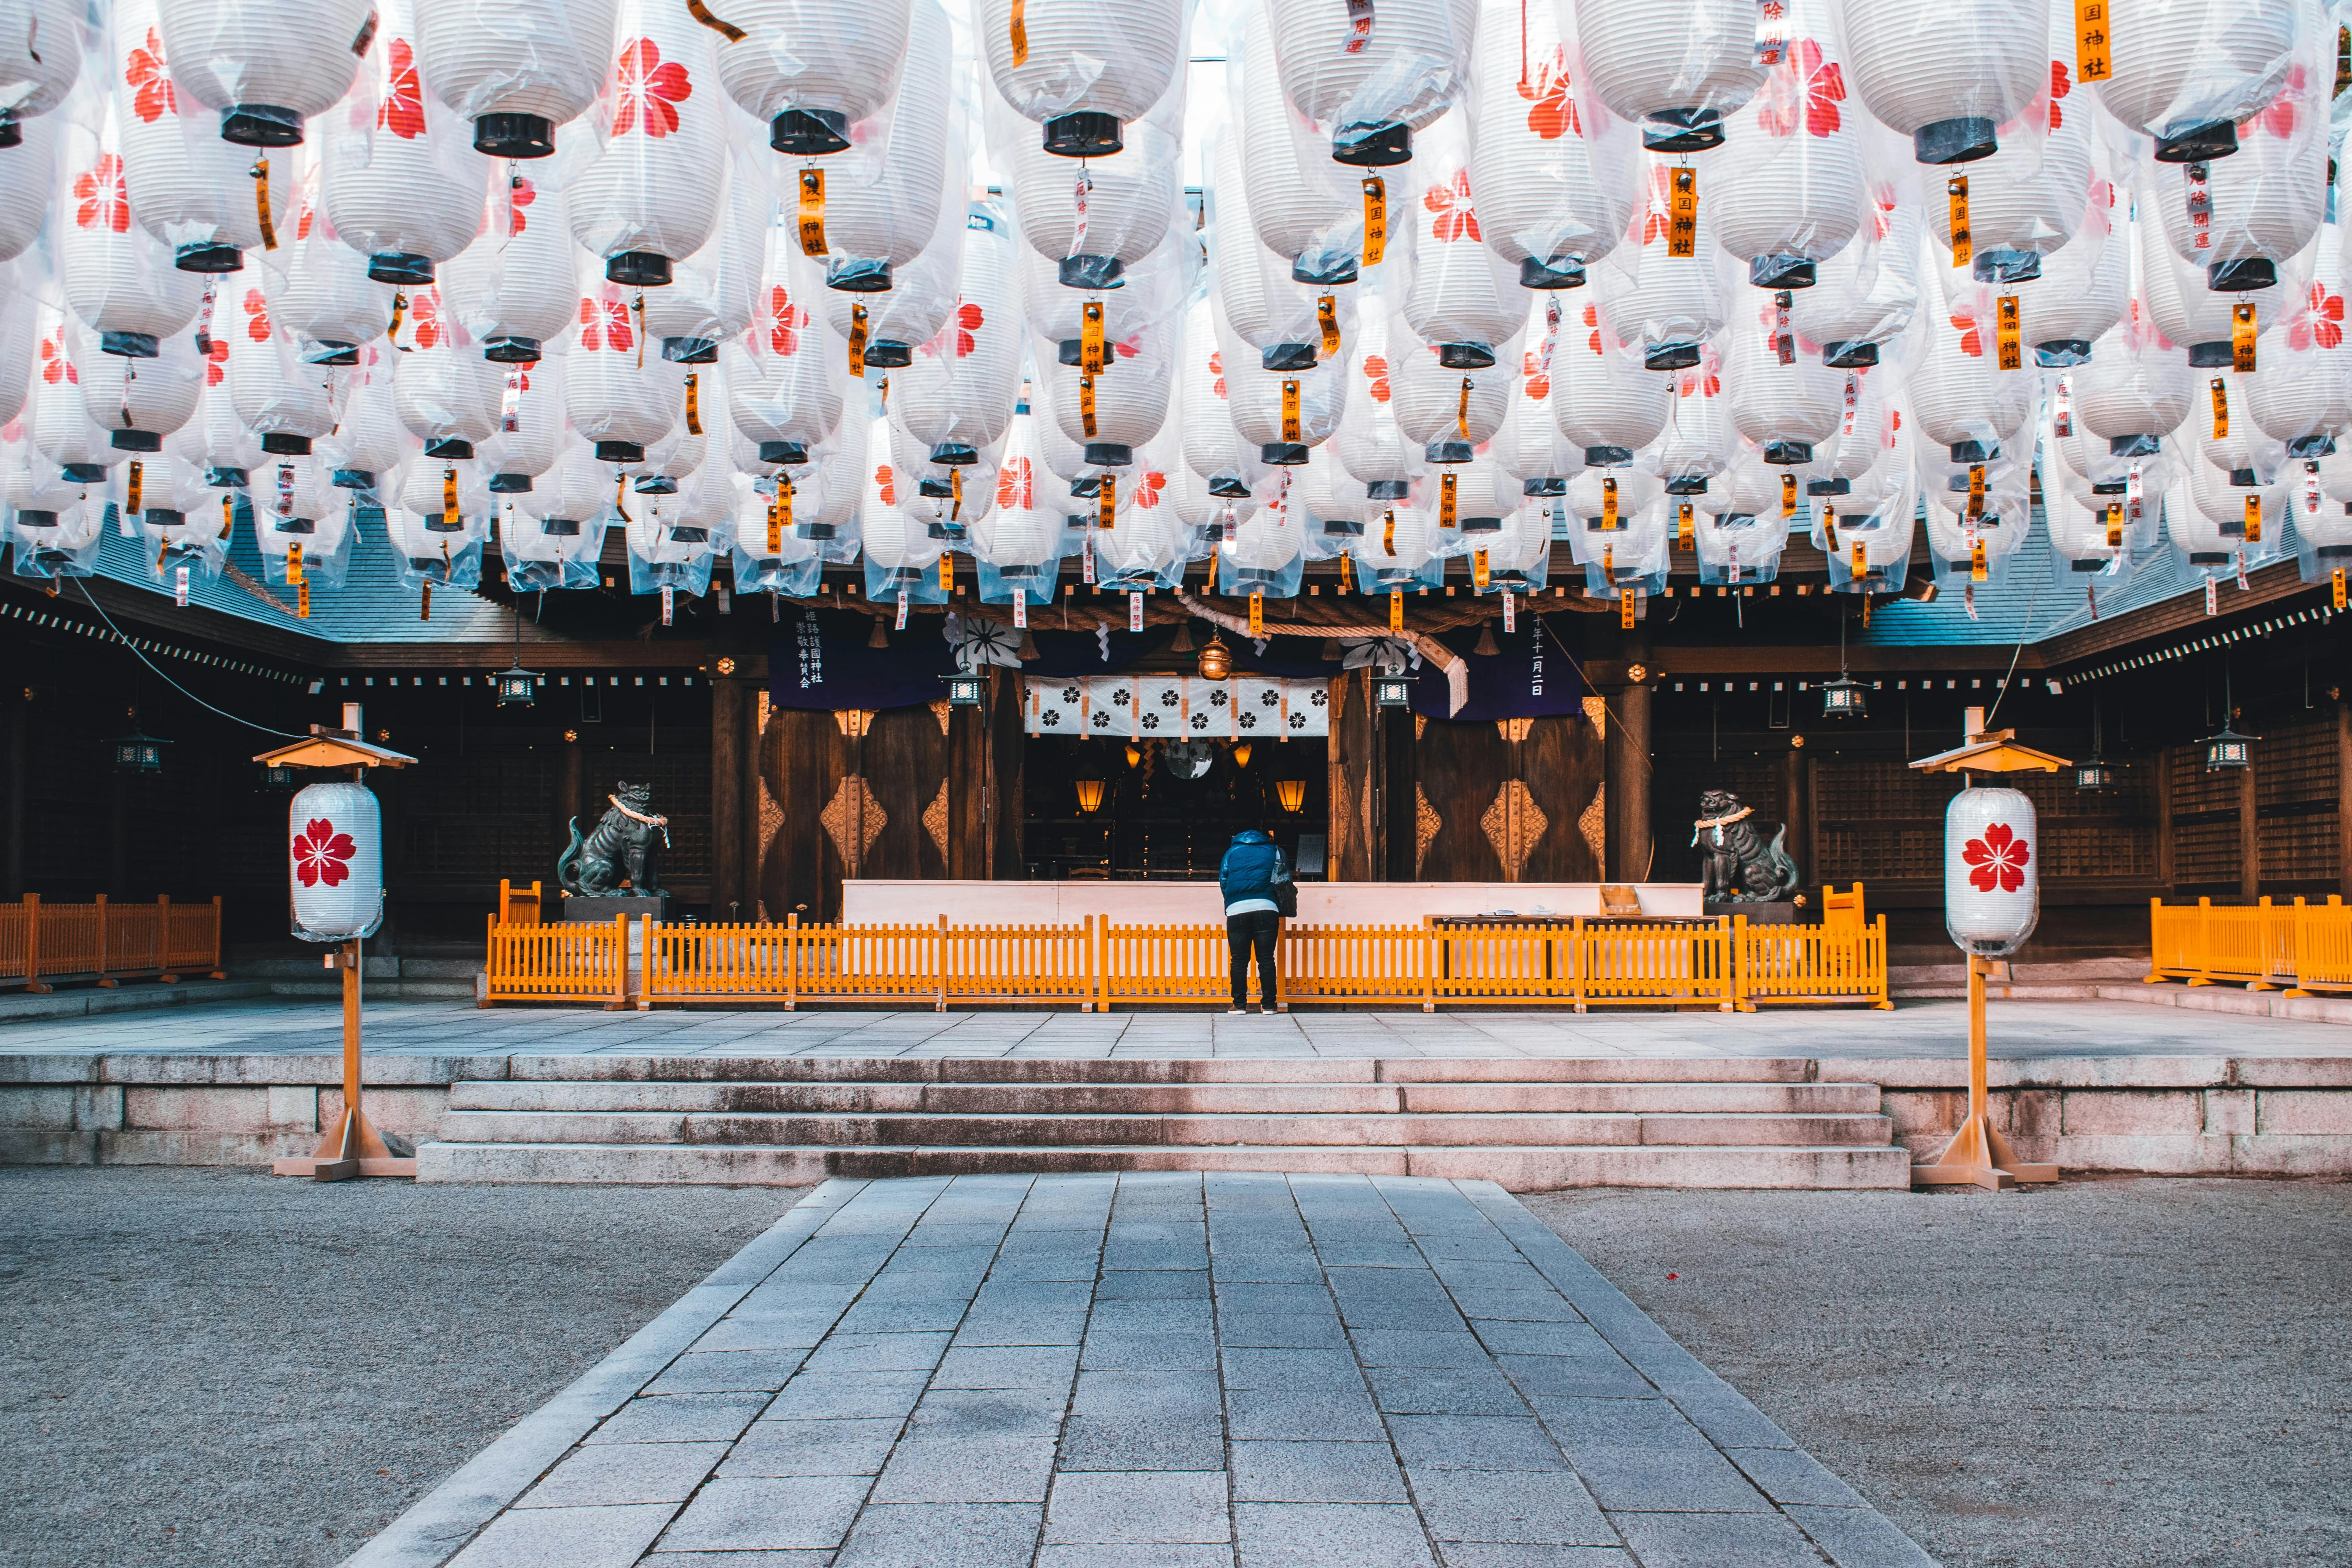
(1530, 1125)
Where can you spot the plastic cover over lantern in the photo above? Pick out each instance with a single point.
(1945, 74)
(1962, 398)
(1787, 191)
(447, 395)
(29, 175)
(1118, 411)
(787, 371)
(40, 59)
(957, 396)
(529, 432)
(2135, 391)
(619, 395)
(1551, 158)
(1603, 397)
(713, 293)
(366, 444)
(1529, 444)
(514, 289)
(1678, 67)
(330, 303)
(2185, 310)
(1667, 304)
(1307, 209)
(901, 551)
(142, 400)
(201, 196)
(1867, 293)
(1699, 442)
(1083, 69)
(647, 199)
(1461, 294)
(2230, 439)
(1782, 397)
(75, 443)
(812, 69)
(267, 64)
(279, 397)
(402, 186)
(921, 297)
(1016, 541)
(516, 69)
(2240, 217)
(2212, 530)
(1371, 80)
(874, 208)
(1096, 219)
(2026, 198)
(1283, 413)
(20, 335)
(2083, 290)
(2300, 391)
(426, 550)
(553, 537)
(1447, 412)
(118, 277)
(2187, 73)
(1289, 323)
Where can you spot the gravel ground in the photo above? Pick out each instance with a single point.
(221, 1368)
(2102, 1374)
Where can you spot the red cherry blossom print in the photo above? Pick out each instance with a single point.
(522, 193)
(1450, 200)
(216, 362)
(1996, 860)
(2320, 324)
(54, 366)
(401, 112)
(604, 324)
(882, 479)
(1971, 341)
(784, 337)
(322, 855)
(2280, 119)
(2060, 86)
(1147, 488)
(1805, 90)
(1553, 114)
(1538, 383)
(968, 319)
(1592, 320)
(1217, 369)
(1700, 383)
(424, 313)
(302, 214)
(1017, 484)
(257, 316)
(650, 89)
(104, 203)
(1653, 214)
(152, 95)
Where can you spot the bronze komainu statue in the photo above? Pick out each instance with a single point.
(618, 856)
(1739, 864)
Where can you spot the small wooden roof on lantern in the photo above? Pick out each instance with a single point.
(1990, 752)
(329, 748)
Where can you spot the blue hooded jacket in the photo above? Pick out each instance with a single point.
(1251, 868)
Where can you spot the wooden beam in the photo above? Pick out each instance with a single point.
(2249, 835)
(2266, 589)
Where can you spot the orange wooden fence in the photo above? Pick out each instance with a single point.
(2262, 946)
(107, 942)
(583, 961)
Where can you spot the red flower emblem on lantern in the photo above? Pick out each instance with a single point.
(1539, 384)
(2281, 117)
(2059, 87)
(520, 193)
(1702, 381)
(605, 323)
(882, 479)
(1804, 90)
(1996, 860)
(216, 362)
(1554, 112)
(1653, 214)
(54, 366)
(302, 219)
(143, 71)
(1148, 487)
(401, 112)
(257, 316)
(1017, 484)
(784, 337)
(1971, 341)
(322, 855)
(1376, 370)
(1592, 320)
(650, 89)
(424, 313)
(968, 319)
(104, 202)
(2318, 325)
(1449, 200)
(1217, 369)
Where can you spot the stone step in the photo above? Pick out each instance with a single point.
(1161, 1070)
(1397, 1129)
(374, 990)
(1521, 1169)
(1160, 1100)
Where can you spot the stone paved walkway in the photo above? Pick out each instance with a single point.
(1928, 1028)
(1149, 1372)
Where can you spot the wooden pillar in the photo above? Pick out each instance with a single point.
(2343, 799)
(728, 898)
(2160, 792)
(1631, 846)
(1005, 804)
(1794, 787)
(2250, 839)
(1400, 792)
(1355, 735)
(747, 803)
(969, 805)
(19, 773)
(571, 784)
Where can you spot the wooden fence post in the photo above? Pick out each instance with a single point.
(621, 965)
(103, 978)
(939, 963)
(791, 963)
(1429, 965)
(2204, 943)
(33, 945)
(1734, 977)
(171, 976)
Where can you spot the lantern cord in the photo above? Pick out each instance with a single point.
(168, 680)
(2004, 695)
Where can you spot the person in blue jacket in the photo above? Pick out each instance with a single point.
(1247, 877)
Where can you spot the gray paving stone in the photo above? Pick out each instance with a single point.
(1859, 1538)
(1248, 1297)
(968, 1469)
(988, 1413)
(1281, 1330)
(768, 1331)
(1474, 1443)
(1159, 1556)
(1418, 1347)
(1553, 1337)
(1284, 1416)
(767, 1513)
(614, 1473)
(848, 1395)
(877, 1352)
(1481, 1390)
(1330, 1535)
(739, 1559)
(1713, 1540)
(1045, 1298)
(935, 1314)
(1151, 1315)
(1139, 1442)
(773, 1447)
(1494, 1554)
(725, 1372)
(937, 1535)
(1016, 1331)
(1125, 1282)
(1145, 1350)
(1509, 1506)
(1141, 1508)
(1123, 1392)
(1792, 1475)
(1602, 1376)
(1641, 1454)
(566, 1537)
(1315, 1472)
(680, 1418)
(1298, 1369)
(1025, 1366)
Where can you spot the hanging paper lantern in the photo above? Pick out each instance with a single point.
(2187, 74)
(28, 174)
(1550, 161)
(1098, 218)
(2137, 389)
(279, 397)
(2213, 530)
(1602, 398)
(197, 193)
(335, 865)
(2238, 218)
(1668, 304)
(1291, 324)
(367, 443)
(267, 64)
(1307, 209)
(812, 68)
(20, 336)
(76, 446)
(1529, 444)
(118, 277)
(897, 547)
(1214, 445)
(447, 395)
(1781, 395)
(1964, 401)
(401, 185)
(40, 58)
(1993, 870)
(142, 400)
(514, 289)
(2025, 199)
(1461, 295)
(2207, 323)
(516, 69)
(620, 395)
(921, 297)
(1082, 69)
(875, 207)
(1788, 192)
(2230, 438)
(957, 396)
(1698, 440)
(1681, 70)
(1153, 291)
(1373, 448)
(1866, 294)
(529, 435)
(1371, 80)
(2082, 292)
(713, 293)
(786, 373)
(1449, 412)
(1284, 412)
(1866, 429)
(648, 199)
(1947, 75)
(2301, 389)
(1114, 412)
(330, 303)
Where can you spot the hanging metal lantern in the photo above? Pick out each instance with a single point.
(517, 684)
(1216, 659)
(1392, 691)
(963, 690)
(2228, 748)
(1844, 698)
(2094, 774)
(278, 775)
(1090, 796)
(138, 753)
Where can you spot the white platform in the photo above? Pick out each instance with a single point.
(889, 903)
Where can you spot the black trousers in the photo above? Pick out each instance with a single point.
(1256, 929)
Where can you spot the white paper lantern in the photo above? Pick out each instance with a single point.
(2135, 391)
(1551, 159)
(1530, 445)
(1783, 397)
(1284, 412)
(957, 396)
(2231, 440)
(367, 443)
(118, 277)
(1307, 209)
(1993, 870)
(921, 297)
(1461, 295)
(29, 168)
(2301, 390)
(881, 199)
(648, 198)
(1450, 412)
(2239, 217)
(1680, 67)
(1602, 398)
(514, 289)
(2212, 529)
(267, 64)
(63, 432)
(1214, 447)
(2026, 198)
(786, 373)
(516, 69)
(712, 293)
(1666, 304)
(1788, 192)
(1082, 69)
(1866, 294)
(284, 401)
(1944, 74)
(40, 57)
(1153, 290)
(20, 336)
(330, 303)
(142, 400)
(1264, 306)
(812, 69)
(1095, 220)
(2185, 310)
(1113, 413)
(532, 404)
(335, 862)
(1373, 447)
(402, 184)
(2083, 290)
(620, 395)
(1962, 398)
(1372, 80)
(1698, 441)
(201, 196)
(447, 395)
(897, 545)
(2186, 74)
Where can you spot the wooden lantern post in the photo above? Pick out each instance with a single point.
(1977, 1155)
(352, 1147)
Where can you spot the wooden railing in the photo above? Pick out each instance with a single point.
(1724, 964)
(107, 942)
(2297, 947)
